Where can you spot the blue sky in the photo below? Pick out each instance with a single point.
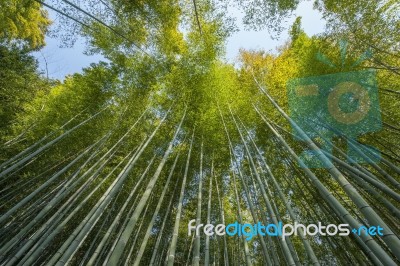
(64, 61)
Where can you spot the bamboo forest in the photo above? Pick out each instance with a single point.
(164, 152)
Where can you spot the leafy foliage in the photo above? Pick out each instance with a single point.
(86, 162)
(23, 21)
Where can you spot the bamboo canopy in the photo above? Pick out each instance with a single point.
(113, 166)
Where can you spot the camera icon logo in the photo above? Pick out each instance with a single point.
(341, 104)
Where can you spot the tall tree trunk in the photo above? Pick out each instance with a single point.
(28, 198)
(306, 243)
(43, 242)
(153, 219)
(62, 193)
(144, 216)
(221, 209)
(57, 217)
(172, 248)
(285, 248)
(263, 245)
(157, 244)
(392, 241)
(207, 247)
(196, 250)
(359, 175)
(118, 217)
(44, 147)
(37, 143)
(190, 250)
(371, 245)
(97, 210)
(116, 255)
(239, 213)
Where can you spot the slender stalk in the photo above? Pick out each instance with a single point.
(190, 251)
(28, 198)
(116, 255)
(372, 248)
(263, 245)
(37, 143)
(365, 177)
(292, 215)
(46, 146)
(172, 247)
(67, 187)
(239, 213)
(66, 250)
(157, 244)
(118, 217)
(55, 219)
(45, 241)
(153, 219)
(196, 250)
(392, 241)
(207, 248)
(144, 216)
(226, 255)
(283, 243)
